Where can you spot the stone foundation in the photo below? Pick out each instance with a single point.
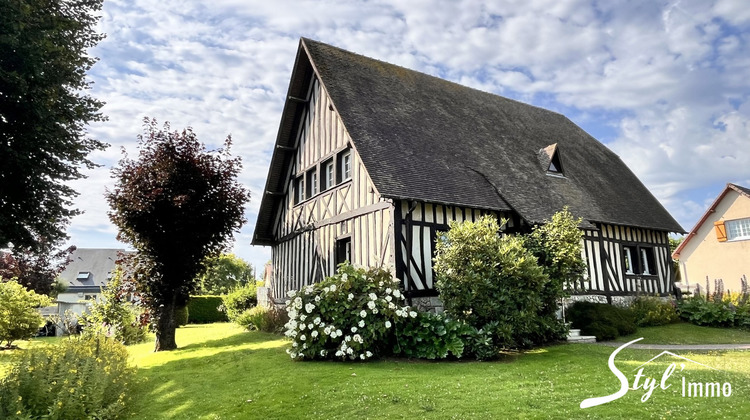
(428, 304)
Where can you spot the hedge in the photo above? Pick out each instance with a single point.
(205, 310)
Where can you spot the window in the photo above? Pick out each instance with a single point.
(299, 190)
(312, 182)
(343, 250)
(639, 260)
(345, 166)
(83, 275)
(328, 175)
(738, 229)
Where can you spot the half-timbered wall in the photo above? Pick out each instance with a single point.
(415, 240)
(606, 273)
(306, 232)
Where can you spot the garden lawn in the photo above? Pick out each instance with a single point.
(222, 372)
(685, 333)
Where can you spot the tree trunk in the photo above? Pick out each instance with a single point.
(165, 327)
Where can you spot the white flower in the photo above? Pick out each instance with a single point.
(294, 344)
(339, 353)
(371, 305)
(302, 337)
(310, 326)
(399, 313)
(327, 331)
(302, 327)
(292, 324)
(344, 347)
(344, 277)
(304, 346)
(348, 338)
(396, 293)
(372, 296)
(326, 289)
(302, 317)
(362, 356)
(363, 313)
(323, 353)
(314, 334)
(380, 284)
(349, 350)
(361, 323)
(413, 314)
(354, 329)
(287, 302)
(339, 333)
(368, 353)
(317, 298)
(309, 307)
(357, 338)
(350, 297)
(292, 314)
(388, 324)
(333, 287)
(374, 310)
(291, 293)
(391, 305)
(293, 355)
(288, 351)
(316, 321)
(308, 289)
(388, 298)
(388, 290)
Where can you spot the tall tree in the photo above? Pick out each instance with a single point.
(177, 204)
(36, 270)
(43, 114)
(224, 273)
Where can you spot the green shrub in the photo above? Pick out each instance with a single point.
(493, 283)
(112, 315)
(240, 299)
(700, 311)
(262, 319)
(205, 310)
(652, 311)
(79, 378)
(19, 318)
(604, 321)
(181, 315)
(431, 336)
(350, 315)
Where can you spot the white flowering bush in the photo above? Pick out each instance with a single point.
(349, 316)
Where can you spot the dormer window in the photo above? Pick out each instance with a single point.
(83, 275)
(550, 159)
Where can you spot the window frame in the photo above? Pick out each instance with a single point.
(639, 260)
(328, 176)
(738, 226)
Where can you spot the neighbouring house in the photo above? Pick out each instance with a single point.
(90, 269)
(718, 247)
(372, 160)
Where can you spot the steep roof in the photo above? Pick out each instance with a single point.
(424, 138)
(730, 187)
(96, 262)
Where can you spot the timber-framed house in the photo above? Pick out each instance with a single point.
(372, 160)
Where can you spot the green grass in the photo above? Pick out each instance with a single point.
(222, 372)
(684, 333)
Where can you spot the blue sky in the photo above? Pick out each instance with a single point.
(666, 85)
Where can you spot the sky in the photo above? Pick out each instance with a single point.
(665, 85)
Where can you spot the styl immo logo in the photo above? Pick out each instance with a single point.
(666, 381)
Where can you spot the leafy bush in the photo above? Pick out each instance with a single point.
(19, 318)
(240, 300)
(79, 378)
(492, 282)
(557, 246)
(181, 315)
(651, 311)
(113, 316)
(604, 321)
(262, 319)
(347, 316)
(431, 336)
(702, 311)
(205, 310)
